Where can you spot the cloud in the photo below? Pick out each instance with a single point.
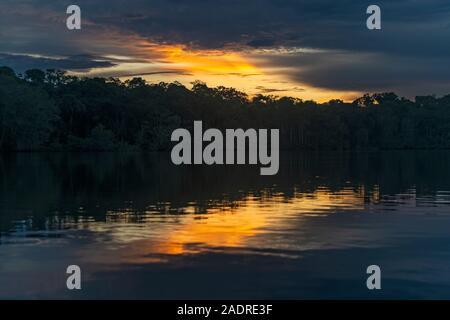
(22, 63)
(152, 73)
(266, 90)
(326, 24)
(410, 53)
(356, 71)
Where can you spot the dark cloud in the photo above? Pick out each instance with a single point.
(350, 71)
(263, 42)
(265, 90)
(152, 73)
(21, 63)
(323, 24)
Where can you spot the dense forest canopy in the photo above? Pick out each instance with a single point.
(50, 110)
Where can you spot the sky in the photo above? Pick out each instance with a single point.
(309, 49)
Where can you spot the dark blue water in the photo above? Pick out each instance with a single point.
(140, 227)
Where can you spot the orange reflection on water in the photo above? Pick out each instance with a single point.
(220, 228)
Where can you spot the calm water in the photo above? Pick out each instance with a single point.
(140, 227)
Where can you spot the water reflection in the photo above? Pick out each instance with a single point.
(138, 215)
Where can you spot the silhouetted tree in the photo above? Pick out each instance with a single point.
(52, 110)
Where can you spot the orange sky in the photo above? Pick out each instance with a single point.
(244, 70)
(319, 51)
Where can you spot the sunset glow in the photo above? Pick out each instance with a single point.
(253, 219)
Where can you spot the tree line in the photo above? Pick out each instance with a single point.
(50, 110)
